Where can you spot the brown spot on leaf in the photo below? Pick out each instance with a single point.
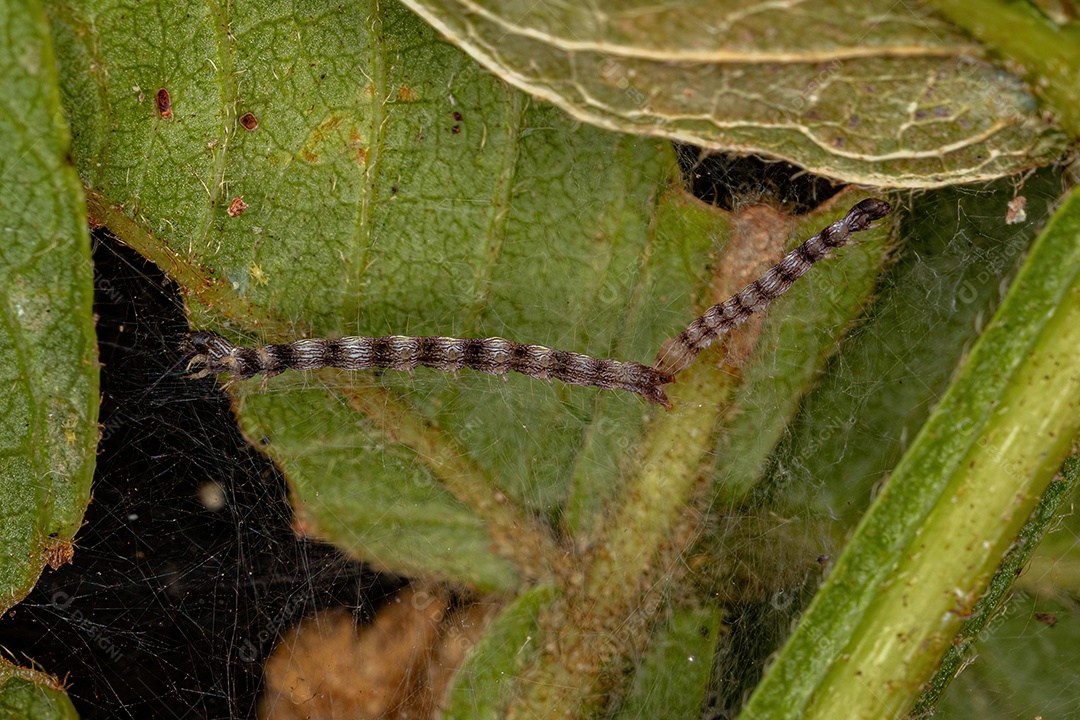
(328, 139)
(237, 207)
(248, 121)
(358, 146)
(407, 94)
(164, 104)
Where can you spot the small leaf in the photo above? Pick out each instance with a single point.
(31, 695)
(673, 677)
(484, 685)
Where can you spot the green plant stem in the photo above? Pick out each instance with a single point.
(925, 551)
(608, 612)
(1017, 31)
(620, 580)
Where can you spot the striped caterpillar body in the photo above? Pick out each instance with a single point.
(214, 354)
(210, 353)
(680, 351)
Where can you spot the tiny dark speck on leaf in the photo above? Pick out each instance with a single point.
(249, 121)
(164, 103)
(456, 129)
(458, 117)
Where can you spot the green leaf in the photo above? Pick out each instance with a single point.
(1022, 34)
(873, 93)
(484, 686)
(48, 411)
(30, 695)
(520, 223)
(48, 414)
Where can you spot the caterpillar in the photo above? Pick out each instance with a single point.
(680, 351)
(214, 354)
(211, 353)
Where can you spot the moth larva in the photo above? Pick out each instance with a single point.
(214, 354)
(678, 352)
(210, 353)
